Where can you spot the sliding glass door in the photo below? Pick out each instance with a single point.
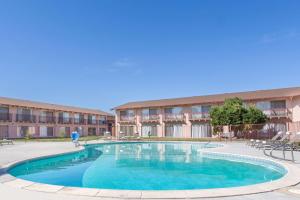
(149, 129)
(174, 130)
(201, 130)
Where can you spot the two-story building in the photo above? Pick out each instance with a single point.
(189, 117)
(20, 118)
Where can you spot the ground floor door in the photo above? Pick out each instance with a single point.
(149, 129)
(126, 130)
(201, 130)
(174, 130)
(3, 131)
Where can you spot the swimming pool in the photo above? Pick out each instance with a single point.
(149, 166)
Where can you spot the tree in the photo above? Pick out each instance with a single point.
(234, 113)
(254, 119)
(217, 116)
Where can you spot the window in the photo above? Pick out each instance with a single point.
(149, 129)
(24, 114)
(201, 130)
(64, 117)
(173, 113)
(50, 131)
(43, 117)
(64, 132)
(76, 118)
(126, 130)
(4, 110)
(4, 113)
(278, 104)
(127, 115)
(206, 108)
(24, 111)
(102, 131)
(43, 131)
(263, 105)
(149, 114)
(174, 130)
(196, 109)
(91, 131)
(3, 132)
(102, 120)
(145, 112)
(25, 131)
(173, 110)
(92, 119)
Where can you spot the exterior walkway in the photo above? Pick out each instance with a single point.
(22, 151)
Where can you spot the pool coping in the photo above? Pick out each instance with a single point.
(289, 179)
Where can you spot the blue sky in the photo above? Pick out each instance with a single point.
(100, 54)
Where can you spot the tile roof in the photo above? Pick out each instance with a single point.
(217, 98)
(49, 106)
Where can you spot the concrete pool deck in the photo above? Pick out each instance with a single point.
(11, 188)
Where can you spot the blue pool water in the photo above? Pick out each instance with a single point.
(146, 166)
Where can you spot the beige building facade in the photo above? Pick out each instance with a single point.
(22, 118)
(189, 117)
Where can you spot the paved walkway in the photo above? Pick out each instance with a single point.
(21, 151)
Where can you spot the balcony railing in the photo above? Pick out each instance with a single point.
(199, 116)
(92, 121)
(47, 119)
(174, 117)
(25, 118)
(147, 118)
(64, 120)
(80, 121)
(5, 117)
(127, 118)
(102, 122)
(277, 112)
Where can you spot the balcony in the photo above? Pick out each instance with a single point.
(81, 121)
(150, 118)
(102, 122)
(26, 118)
(278, 113)
(127, 119)
(5, 117)
(174, 117)
(199, 116)
(92, 121)
(47, 119)
(64, 120)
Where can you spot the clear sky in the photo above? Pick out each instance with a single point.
(103, 53)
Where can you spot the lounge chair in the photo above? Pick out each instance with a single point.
(264, 143)
(250, 142)
(275, 143)
(6, 141)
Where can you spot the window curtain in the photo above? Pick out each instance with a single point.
(201, 130)
(175, 130)
(147, 129)
(43, 131)
(22, 131)
(127, 130)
